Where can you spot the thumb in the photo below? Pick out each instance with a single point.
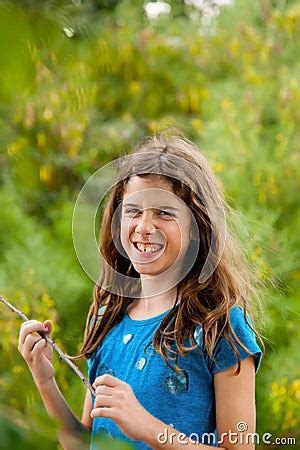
(48, 325)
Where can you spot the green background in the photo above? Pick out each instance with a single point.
(83, 81)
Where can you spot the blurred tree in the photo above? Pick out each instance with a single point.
(80, 83)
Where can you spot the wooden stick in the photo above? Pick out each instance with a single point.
(61, 354)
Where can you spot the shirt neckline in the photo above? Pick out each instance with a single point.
(149, 320)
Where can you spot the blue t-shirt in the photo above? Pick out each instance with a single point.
(184, 400)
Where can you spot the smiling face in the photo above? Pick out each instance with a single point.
(151, 212)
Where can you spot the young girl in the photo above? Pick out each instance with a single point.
(172, 354)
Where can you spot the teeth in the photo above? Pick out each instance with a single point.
(146, 248)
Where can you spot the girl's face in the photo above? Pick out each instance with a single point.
(151, 212)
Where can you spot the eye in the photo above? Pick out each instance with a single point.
(164, 213)
(135, 210)
(128, 211)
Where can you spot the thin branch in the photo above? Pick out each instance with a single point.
(61, 354)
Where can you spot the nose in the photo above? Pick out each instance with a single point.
(145, 223)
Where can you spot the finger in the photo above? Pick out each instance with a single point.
(110, 413)
(30, 342)
(103, 400)
(108, 380)
(28, 328)
(39, 347)
(21, 333)
(48, 327)
(102, 389)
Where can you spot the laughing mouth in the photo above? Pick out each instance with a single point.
(149, 249)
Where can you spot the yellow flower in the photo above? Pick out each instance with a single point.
(152, 126)
(73, 149)
(127, 117)
(227, 104)
(194, 98)
(47, 300)
(287, 420)
(248, 58)
(12, 149)
(274, 387)
(46, 172)
(251, 76)
(261, 196)
(290, 24)
(48, 114)
(281, 146)
(197, 124)
(264, 54)
(134, 88)
(234, 47)
(3, 383)
(295, 387)
(17, 147)
(54, 98)
(295, 274)
(282, 390)
(255, 256)
(218, 167)
(17, 369)
(41, 140)
(26, 309)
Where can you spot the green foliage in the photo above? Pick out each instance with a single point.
(23, 435)
(80, 83)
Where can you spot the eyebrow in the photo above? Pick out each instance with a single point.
(157, 207)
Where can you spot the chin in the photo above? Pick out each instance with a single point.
(148, 269)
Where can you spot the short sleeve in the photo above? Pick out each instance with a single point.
(223, 356)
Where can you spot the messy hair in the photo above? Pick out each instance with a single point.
(207, 303)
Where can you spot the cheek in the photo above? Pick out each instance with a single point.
(180, 236)
(177, 232)
(175, 238)
(124, 232)
(126, 229)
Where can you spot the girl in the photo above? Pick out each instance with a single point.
(172, 354)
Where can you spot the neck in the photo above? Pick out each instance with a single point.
(156, 295)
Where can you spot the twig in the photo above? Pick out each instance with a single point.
(62, 355)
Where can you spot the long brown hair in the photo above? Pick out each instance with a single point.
(207, 304)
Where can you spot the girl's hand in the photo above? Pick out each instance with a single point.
(36, 351)
(121, 406)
